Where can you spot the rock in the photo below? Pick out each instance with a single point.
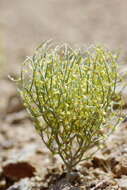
(84, 171)
(112, 161)
(7, 90)
(101, 185)
(100, 162)
(18, 170)
(24, 184)
(97, 172)
(122, 183)
(7, 144)
(121, 168)
(72, 176)
(124, 150)
(16, 118)
(63, 185)
(2, 180)
(14, 104)
(86, 164)
(2, 184)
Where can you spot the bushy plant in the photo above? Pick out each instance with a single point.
(70, 94)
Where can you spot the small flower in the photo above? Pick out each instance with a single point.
(73, 92)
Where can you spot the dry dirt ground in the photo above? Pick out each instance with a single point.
(25, 163)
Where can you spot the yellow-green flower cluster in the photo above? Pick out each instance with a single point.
(69, 93)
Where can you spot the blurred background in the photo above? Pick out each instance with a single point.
(25, 24)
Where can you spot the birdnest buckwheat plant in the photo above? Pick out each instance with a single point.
(70, 95)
